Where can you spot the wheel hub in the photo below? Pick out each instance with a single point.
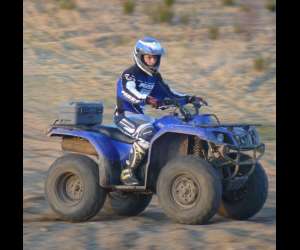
(74, 187)
(185, 191)
(70, 188)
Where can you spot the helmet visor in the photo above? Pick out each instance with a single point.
(150, 48)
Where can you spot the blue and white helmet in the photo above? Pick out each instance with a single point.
(150, 46)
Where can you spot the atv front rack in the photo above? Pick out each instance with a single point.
(229, 125)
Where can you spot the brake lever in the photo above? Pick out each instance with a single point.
(197, 105)
(186, 114)
(164, 107)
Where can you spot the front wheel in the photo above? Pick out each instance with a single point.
(249, 199)
(72, 188)
(189, 190)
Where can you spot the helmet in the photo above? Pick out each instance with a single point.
(151, 46)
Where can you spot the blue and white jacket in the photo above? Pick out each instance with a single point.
(135, 85)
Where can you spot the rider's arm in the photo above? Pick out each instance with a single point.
(130, 91)
(183, 98)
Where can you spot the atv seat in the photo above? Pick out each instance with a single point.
(114, 133)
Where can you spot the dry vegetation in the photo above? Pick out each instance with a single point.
(67, 4)
(128, 6)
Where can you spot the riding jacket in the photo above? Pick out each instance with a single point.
(134, 85)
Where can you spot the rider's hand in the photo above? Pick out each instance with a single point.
(168, 101)
(197, 99)
(152, 101)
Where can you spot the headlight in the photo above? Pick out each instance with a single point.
(221, 137)
(254, 135)
(261, 149)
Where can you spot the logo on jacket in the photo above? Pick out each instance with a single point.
(129, 77)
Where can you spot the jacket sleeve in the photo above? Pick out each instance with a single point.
(183, 98)
(129, 90)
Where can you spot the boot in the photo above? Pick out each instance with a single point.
(128, 178)
(136, 156)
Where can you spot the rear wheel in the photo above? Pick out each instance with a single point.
(72, 188)
(189, 190)
(125, 203)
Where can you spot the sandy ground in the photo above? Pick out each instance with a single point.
(78, 54)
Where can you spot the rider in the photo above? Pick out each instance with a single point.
(139, 85)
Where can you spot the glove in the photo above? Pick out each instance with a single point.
(196, 99)
(168, 101)
(152, 101)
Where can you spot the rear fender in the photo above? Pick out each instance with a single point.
(107, 155)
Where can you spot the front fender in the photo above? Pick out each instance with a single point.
(167, 143)
(202, 133)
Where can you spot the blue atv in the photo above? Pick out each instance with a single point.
(196, 166)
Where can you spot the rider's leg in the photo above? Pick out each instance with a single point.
(136, 156)
(143, 132)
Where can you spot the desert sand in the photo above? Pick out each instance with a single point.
(79, 54)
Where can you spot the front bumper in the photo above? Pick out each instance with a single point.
(257, 152)
(233, 155)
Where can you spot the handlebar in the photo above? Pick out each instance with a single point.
(167, 103)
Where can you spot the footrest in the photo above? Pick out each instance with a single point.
(126, 187)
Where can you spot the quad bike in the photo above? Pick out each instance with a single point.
(196, 166)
